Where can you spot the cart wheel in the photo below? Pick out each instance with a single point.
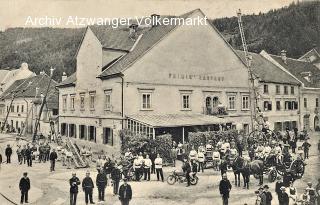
(171, 180)
(272, 176)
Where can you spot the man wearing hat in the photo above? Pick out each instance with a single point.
(283, 197)
(24, 187)
(74, 183)
(267, 194)
(116, 177)
(279, 184)
(125, 193)
(101, 182)
(87, 186)
(225, 188)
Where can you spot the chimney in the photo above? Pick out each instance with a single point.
(24, 66)
(64, 76)
(155, 19)
(284, 56)
(133, 29)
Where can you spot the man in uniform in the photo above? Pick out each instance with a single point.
(158, 166)
(8, 153)
(147, 168)
(225, 188)
(101, 182)
(87, 186)
(186, 167)
(137, 167)
(116, 177)
(200, 158)
(29, 156)
(125, 193)
(24, 187)
(53, 156)
(47, 152)
(74, 183)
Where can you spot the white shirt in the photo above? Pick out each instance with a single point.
(193, 154)
(158, 163)
(225, 147)
(216, 155)
(147, 163)
(267, 150)
(200, 157)
(209, 147)
(136, 163)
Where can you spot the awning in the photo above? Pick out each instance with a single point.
(178, 120)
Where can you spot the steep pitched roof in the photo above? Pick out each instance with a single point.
(149, 38)
(70, 81)
(313, 52)
(267, 71)
(299, 69)
(26, 88)
(116, 38)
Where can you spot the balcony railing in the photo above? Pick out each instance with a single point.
(219, 110)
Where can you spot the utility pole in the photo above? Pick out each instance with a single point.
(42, 105)
(248, 58)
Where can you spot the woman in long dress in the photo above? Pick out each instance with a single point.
(292, 193)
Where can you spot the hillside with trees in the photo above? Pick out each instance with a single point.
(295, 28)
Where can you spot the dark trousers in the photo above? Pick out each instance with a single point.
(24, 159)
(47, 156)
(246, 179)
(240, 152)
(137, 174)
(124, 201)
(29, 161)
(88, 195)
(159, 174)
(225, 200)
(52, 165)
(8, 159)
(73, 198)
(153, 169)
(20, 158)
(24, 197)
(147, 174)
(306, 154)
(200, 166)
(101, 191)
(188, 178)
(116, 186)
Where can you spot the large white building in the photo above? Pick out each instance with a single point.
(153, 80)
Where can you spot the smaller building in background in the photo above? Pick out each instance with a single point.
(21, 104)
(277, 92)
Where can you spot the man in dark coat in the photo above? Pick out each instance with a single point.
(23, 154)
(116, 177)
(125, 193)
(186, 167)
(87, 186)
(225, 188)
(8, 153)
(279, 184)
(29, 156)
(74, 183)
(283, 197)
(24, 187)
(47, 152)
(53, 156)
(101, 182)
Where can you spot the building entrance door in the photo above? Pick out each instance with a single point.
(306, 121)
(316, 123)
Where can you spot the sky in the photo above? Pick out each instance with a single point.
(15, 13)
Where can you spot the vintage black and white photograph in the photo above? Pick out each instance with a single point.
(160, 102)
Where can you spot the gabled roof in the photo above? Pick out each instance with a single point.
(149, 38)
(116, 38)
(312, 52)
(26, 88)
(70, 81)
(299, 69)
(267, 71)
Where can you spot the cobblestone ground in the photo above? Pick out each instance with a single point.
(52, 188)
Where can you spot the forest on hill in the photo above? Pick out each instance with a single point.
(295, 28)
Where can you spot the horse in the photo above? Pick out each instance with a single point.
(246, 168)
